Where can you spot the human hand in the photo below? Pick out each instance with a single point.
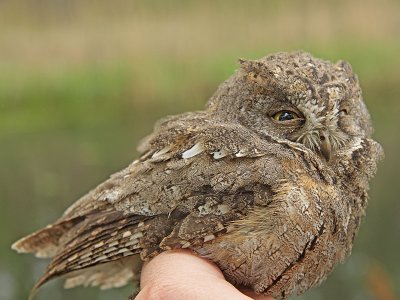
(180, 275)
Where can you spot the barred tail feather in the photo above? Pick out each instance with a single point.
(45, 242)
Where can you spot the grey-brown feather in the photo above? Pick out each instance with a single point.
(256, 197)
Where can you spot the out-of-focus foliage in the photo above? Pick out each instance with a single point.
(82, 81)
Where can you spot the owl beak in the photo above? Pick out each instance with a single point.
(325, 145)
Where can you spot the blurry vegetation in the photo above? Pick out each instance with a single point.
(81, 82)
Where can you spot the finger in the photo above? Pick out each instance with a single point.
(180, 275)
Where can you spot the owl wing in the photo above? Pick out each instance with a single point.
(193, 179)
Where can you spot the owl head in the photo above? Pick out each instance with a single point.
(297, 97)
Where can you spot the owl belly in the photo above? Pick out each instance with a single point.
(284, 248)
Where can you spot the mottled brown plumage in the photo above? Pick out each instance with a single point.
(269, 181)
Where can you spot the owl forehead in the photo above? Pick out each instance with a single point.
(314, 86)
(314, 98)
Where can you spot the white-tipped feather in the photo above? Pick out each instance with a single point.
(241, 153)
(195, 150)
(220, 154)
(161, 152)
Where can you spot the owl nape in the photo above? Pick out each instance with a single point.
(269, 182)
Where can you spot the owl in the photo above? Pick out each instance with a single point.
(269, 182)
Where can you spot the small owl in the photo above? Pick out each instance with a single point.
(269, 182)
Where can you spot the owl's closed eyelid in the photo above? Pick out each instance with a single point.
(278, 105)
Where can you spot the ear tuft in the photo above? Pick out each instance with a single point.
(250, 65)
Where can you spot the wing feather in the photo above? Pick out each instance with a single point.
(194, 179)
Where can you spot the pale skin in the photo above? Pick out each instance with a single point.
(181, 275)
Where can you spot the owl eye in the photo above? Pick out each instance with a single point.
(285, 115)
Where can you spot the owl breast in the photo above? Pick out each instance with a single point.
(291, 242)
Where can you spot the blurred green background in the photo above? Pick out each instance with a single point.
(82, 81)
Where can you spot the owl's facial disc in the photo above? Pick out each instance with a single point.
(314, 135)
(321, 131)
(306, 100)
